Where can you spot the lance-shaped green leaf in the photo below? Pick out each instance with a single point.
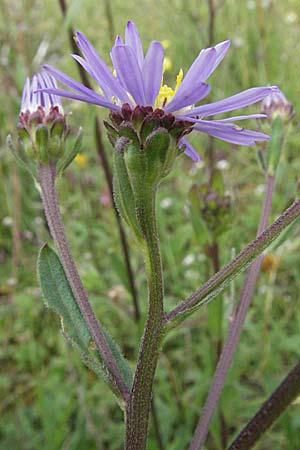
(22, 159)
(123, 192)
(70, 154)
(59, 297)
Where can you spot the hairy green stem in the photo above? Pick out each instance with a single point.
(51, 207)
(271, 409)
(139, 404)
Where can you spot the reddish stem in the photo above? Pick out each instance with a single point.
(234, 331)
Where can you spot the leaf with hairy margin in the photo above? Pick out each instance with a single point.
(59, 297)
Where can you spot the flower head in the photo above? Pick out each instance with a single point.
(137, 81)
(276, 105)
(42, 124)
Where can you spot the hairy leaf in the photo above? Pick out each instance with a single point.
(59, 297)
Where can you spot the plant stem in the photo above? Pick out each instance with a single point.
(51, 207)
(221, 279)
(138, 408)
(234, 331)
(107, 173)
(271, 409)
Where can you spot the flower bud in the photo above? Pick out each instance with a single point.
(42, 127)
(275, 105)
(42, 124)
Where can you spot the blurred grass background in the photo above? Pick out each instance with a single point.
(48, 399)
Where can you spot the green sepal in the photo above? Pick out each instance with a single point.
(112, 133)
(201, 231)
(123, 192)
(42, 143)
(23, 135)
(158, 159)
(22, 158)
(56, 148)
(127, 130)
(70, 154)
(58, 127)
(275, 145)
(58, 296)
(149, 124)
(135, 163)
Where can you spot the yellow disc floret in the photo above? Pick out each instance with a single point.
(166, 93)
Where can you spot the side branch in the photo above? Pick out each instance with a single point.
(221, 279)
(271, 409)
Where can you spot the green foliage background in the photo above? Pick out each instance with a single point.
(47, 398)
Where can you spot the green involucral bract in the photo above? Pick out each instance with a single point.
(141, 161)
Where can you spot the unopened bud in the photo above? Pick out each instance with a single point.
(275, 105)
(42, 124)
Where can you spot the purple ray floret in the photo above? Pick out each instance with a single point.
(152, 68)
(34, 93)
(138, 78)
(133, 40)
(129, 72)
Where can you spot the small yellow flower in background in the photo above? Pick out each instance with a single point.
(167, 64)
(165, 43)
(81, 160)
(270, 262)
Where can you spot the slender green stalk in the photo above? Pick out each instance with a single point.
(138, 407)
(271, 409)
(51, 207)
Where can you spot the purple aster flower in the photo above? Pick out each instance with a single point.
(137, 81)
